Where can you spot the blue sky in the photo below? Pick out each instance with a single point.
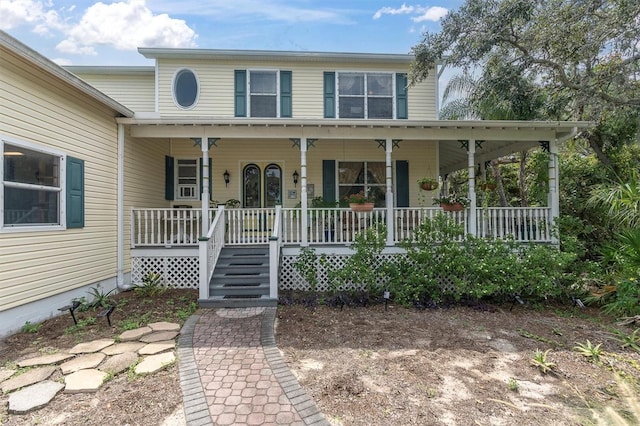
(108, 32)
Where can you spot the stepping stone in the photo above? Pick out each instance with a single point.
(45, 360)
(33, 397)
(159, 336)
(157, 347)
(28, 378)
(82, 362)
(84, 381)
(153, 363)
(5, 374)
(90, 347)
(164, 326)
(118, 363)
(135, 334)
(120, 348)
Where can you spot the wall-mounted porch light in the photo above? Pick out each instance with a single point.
(226, 177)
(295, 178)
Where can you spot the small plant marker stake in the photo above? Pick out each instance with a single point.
(577, 302)
(516, 299)
(386, 299)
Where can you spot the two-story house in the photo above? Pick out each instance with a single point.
(257, 148)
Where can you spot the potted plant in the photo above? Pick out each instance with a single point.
(452, 202)
(428, 183)
(359, 202)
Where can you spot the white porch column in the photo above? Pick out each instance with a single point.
(304, 240)
(554, 189)
(471, 222)
(120, 212)
(204, 200)
(389, 195)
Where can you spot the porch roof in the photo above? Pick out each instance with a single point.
(494, 138)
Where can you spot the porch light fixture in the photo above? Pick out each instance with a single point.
(226, 177)
(295, 178)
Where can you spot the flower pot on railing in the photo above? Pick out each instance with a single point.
(361, 207)
(454, 207)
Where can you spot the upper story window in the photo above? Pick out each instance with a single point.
(37, 186)
(366, 95)
(185, 88)
(263, 93)
(263, 87)
(363, 95)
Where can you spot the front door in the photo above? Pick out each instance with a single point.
(261, 185)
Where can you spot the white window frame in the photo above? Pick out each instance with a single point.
(365, 96)
(173, 88)
(277, 72)
(176, 183)
(366, 185)
(61, 190)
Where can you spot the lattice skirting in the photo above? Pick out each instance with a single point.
(290, 278)
(176, 271)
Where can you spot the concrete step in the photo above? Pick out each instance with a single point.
(230, 302)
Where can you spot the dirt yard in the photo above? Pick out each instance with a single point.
(368, 366)
(458, 366)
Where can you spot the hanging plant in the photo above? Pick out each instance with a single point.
(428, 183)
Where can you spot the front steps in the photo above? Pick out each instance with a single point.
(240, 279)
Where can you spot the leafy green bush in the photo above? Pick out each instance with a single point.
(440, 267)
(151, 285)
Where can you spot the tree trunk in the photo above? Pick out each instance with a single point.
(595, 142)
(495, 168)
(524, 198)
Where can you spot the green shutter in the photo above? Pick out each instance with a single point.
(240, 93)
(329, 95)
(75, 193)
(329, 180)
(402, 183)
(210, 178)
(169, 172)
(401, 96)
(285, 94)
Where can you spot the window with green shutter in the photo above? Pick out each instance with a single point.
(240, 93)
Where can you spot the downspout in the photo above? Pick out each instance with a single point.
(120, 213)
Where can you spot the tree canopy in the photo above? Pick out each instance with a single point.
(585, 54)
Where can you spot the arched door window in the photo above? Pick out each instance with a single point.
(272, 185)
(251, 190)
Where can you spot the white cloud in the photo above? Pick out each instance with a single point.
(434, 13)
(14, 13)
(125, 26)
(402, 10)
(62, 61)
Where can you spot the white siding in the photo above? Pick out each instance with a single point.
(233, 155)
(136, 92)
(217, 85)
(144, 171)
(38, 109)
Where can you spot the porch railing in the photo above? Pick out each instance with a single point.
(275, 242)
(524, 224)
(181, 227)
(210, 250)
(166, 227)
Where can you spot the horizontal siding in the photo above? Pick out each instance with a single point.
(38, 109)
(232, 155)
(136, 92)
(143, 181)
(216, 87)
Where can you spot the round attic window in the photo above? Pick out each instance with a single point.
(185, 88)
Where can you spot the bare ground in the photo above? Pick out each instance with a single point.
(371, 366)
(458, 366)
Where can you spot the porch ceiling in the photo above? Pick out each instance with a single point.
(498, 138)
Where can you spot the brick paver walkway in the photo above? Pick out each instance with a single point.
(232, 373)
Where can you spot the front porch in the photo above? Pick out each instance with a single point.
(167, 241)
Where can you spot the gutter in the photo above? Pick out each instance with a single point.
(121, 286)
